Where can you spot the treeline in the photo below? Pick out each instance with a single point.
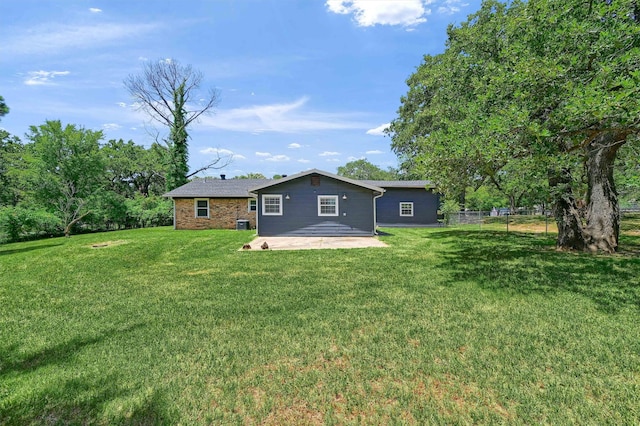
(65, 179)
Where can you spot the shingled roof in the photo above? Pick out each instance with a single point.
(240, 188)
(217, 188)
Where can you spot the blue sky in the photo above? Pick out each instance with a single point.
(303, 84)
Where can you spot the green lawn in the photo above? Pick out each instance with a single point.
(451, 326)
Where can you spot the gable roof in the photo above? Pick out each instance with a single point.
(244, 188)
(217, 188)
(359, 183)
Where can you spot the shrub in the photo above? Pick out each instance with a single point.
(19, 223)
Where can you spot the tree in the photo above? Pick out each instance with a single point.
(169, 93)
(4, 109)
(132, 169)
(11, 163)
(527, 88)
(251, 176)
(364, 170)
(66, 169)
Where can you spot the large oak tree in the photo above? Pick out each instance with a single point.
(544, 86)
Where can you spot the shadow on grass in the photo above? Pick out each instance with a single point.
(26, 249)
(526, 263)
(56, 354)
(87, 401)
(83, 399)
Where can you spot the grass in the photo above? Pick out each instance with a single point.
(451, 326)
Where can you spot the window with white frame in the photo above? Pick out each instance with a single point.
(253, 203)
(406, 209)
(327, 205)
(271, 205)
(202, 207)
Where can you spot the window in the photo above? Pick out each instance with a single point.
(327, 205)
(202, 207)
(272, 205)
(406, 209)
(253, 204)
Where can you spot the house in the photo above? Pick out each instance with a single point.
(214, 203)
(407, 203)
(313, 202)
(316, 203)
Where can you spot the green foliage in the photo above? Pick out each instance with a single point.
(11, 166)
(444, 326)
(4, 109)
(149, 211)
(448, 208)
(167, 91)
(521, 88)
(251, 176)
(627, 174)
(364, 170)
(17, 223)
(66, 169)
(133, 169)
(484, 198)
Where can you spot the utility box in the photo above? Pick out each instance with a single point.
(242, 225)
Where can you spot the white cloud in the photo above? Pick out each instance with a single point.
(451, 6)
(283, 118)
(367, 13)
(374, 152)
(351, 158)
(263, 154)
(379, 131)
(302, 160)
(216, 151)
(111, 126)
(328, 154)
(39, 78)
(294, 145)
(222, 152)
(95, 10)
(278, 158)
(122, 104)
(332, 160)
(52, 39)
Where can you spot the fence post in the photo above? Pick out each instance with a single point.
(507, 222)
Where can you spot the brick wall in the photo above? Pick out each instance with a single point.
(223, 213)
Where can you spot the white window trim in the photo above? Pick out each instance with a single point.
(404, 203)
(255, 200)
(279, 197)
(196, 208)
(336, 198)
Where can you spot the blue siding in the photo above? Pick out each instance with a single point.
(300, 212)
(425, 207)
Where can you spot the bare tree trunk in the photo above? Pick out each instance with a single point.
(566, 213)
(603, 212)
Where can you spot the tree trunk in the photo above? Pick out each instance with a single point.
(603, 212)
(566, 213)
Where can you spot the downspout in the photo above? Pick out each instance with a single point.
(257, 213)
(174, 213)
(375, 214)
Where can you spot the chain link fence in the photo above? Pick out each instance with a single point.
(524, 220)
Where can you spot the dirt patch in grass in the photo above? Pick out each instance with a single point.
(298, 412)
(105, 244)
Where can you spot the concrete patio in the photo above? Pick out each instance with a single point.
(311, 243)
